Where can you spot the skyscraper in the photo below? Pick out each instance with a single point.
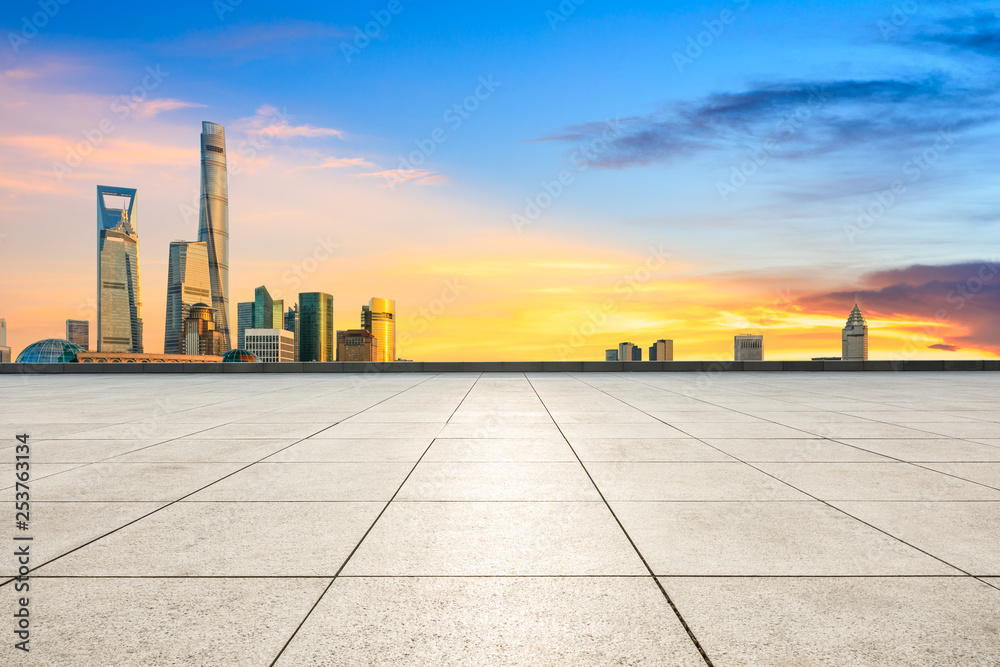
(748, 348)
(4, 350)
(263, 309)
(625, 351)
(78, 333)
(316, 338)
(379, 317)
(292, 324)
(854, 339)
(187, 284)
(244, 321)
(119, 296)
(213, 220)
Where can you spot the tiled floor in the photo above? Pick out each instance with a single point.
(593, 519)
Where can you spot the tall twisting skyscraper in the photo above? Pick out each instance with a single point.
(187, 284)
(379, 317)
(119, 297)
(213, 220)
(854, 339)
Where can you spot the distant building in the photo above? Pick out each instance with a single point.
(749, 348)
(187, 284)
(625, 351)
(200, 335)
(244, 320)
(78, 333)
(854, 339)
(662, 350)
(119, 295)
(274, 345)
(611, 355)
(317, 340)
(292, 325)
(263, 309)
(4, 350)
(357, 345)
(379, 318)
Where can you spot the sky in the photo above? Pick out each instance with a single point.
(531, 180)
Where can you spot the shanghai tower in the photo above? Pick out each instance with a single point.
(213, 220)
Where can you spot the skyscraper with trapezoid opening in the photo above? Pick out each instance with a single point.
(213, 220)
(119, 296)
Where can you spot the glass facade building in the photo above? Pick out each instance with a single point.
(187, 284)
(244, 321)
(379, 317)
(51, 351)
(263, 309)
(119, 295)
(213, 220)
(316, 337)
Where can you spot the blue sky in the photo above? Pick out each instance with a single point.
(851, 93)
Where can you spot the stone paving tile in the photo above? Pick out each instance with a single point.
(59, 527)
(495, 538)
(200, 539)
(496, 480)
(956, 532)
(493, 621)
(981, 473)
(876, 481)
(310, 482)
(688, 481)
(646, 449)
(136, 482)
(921, 450)
(153, 622)
(789, 450)
(875, 622)
(765, 539)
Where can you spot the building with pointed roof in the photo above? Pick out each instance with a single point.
(854, 340)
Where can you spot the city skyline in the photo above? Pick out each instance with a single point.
(489, 254)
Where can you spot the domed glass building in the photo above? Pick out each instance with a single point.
(239, 356)
(51, 351)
